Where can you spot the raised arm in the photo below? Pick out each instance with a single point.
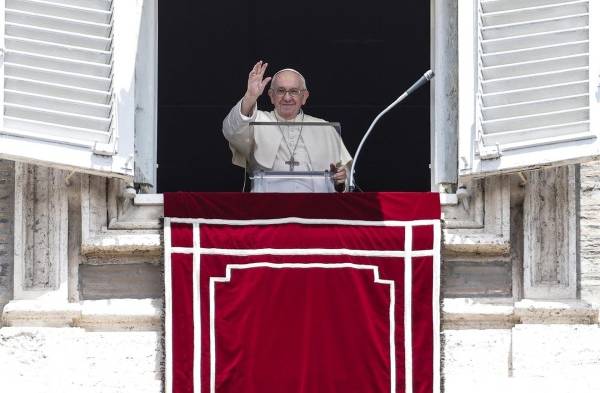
(256, 86)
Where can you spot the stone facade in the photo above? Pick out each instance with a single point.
(589, 199)
(545, 336)
(80, 285)
(7, 205)
(83, 304)
(77, 360)
(81, 272)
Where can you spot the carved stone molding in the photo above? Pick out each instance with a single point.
(480, 222)
(40, 245)
(486, 313)
(550, 234)
(113, 226)
(7, 204)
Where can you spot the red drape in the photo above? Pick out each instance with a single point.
(302, 293)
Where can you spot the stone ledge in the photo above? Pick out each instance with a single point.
(556, 312)
(473, 243)
(93, 315)
(40, 313)
(121, 314)
(148, 199)
(123, 244)
(448, 199)
(466, 313)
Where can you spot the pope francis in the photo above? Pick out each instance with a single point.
(291, 148)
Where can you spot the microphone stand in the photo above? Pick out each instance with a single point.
(424, 79)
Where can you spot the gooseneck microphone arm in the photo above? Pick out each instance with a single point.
(424, 79)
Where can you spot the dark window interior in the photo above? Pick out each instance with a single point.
(357, 58)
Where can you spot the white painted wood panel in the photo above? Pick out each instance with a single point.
(67, 91)
(534, 90)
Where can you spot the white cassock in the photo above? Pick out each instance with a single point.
(270, 148)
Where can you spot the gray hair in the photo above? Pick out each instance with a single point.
(303, 81)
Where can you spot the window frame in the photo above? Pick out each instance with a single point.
(470, 161)
(116, 158)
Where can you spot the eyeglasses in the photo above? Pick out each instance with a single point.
(280, 92)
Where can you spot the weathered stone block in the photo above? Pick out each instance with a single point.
(73, 360)
(556, 350)
(7, 191)
(469, 352)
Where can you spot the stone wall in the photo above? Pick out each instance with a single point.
(7, 187)
(589, 281)
(493, 339)
(71, 359)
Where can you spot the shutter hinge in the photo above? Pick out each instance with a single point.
(104, 149)
(489, 152)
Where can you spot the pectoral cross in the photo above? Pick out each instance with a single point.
(292, 163)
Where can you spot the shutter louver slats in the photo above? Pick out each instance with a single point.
(531, 41)
(511, 5)
(528, 13)
(529, 85)
(534, 80)
(51, 131)
(62, 105)
(543, 52)
(55, 23)
(56, 117)
(57, 37)
(58, 69)
(102, 5)
(533, 27)
(58, 91)
(533, 71)
(534, 107)
(59, 64)
(534, 121)
(72, 11)
(511, 139)
(54, 50)
(59, 77)
(540, 93)
(535, 67)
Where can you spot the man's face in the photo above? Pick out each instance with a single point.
(287, 105)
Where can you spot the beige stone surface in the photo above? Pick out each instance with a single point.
(528, 358)
(590, 232)
(549, 384)
(569, 351)
(52, 360)
(7, 187)
(472, 352)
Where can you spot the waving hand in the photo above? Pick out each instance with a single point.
(256, 83)
(256, 86)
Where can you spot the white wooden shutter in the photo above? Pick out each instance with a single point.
(63, 101)
(528, 84)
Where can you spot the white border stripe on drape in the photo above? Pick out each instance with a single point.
(308, 221)
(437, 261)
(196, 305)
(376, 278)
(168, 309)
(407, 254)
(408, 360)
(302, 251)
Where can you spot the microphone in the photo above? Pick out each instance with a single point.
(427, 76)
(422, 80)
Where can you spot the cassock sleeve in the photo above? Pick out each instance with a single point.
(237, 131)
